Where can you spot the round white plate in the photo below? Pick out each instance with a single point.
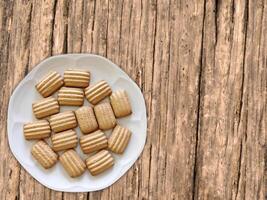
(20, 112)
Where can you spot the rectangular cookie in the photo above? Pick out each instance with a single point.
(72, 163)
(36, 130)
(64, 140)
(99, 162)
(105, 116)
(119, 139)
(45, 156)
(97, 92)
(49, 84)
(120, 103)
(70, 96)
(45, 107)
(86, 119)
(63, 121)
(76, 78)
(93, 142)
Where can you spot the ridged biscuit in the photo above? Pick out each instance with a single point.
(49, 84)
(64, 140)
(45, 107)
(119, 139)
(97, 92)
(63, 121)
(99, 162)
(42, 152)
(70, 96)
(37, 130)
(120, 103)
(105, 116)
(86, 119)
(76, 78)
(93, 142)
(72, 163)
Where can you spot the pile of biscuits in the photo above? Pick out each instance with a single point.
(92, 121)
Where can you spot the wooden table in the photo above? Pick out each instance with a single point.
(202, 67)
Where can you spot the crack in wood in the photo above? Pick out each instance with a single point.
(53, 27)
(194, 185)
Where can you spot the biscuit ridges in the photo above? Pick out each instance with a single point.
(70, 96)
(45, 107)
(36, 130)
(119, 139)
(72, 163)
(49, 84)
(120, 103)
(105, 116)
(76, 78)
(97, 92)
(64, 140)
(63, 121)
(42, 152)
(99, 162)
(93, 142)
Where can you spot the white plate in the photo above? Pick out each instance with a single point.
(20, 112)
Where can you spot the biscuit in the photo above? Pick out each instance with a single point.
(120, 103)
(86, 119)
(64, 140)
(37, 130)
(45, 156)
(76, 78)
(119, 139)
(49, 84)
(63, 121)
(105, 116)
(97, 92)
(99, 162)
(45, 107)
(72, 163)
(70, 96)
(93, 142)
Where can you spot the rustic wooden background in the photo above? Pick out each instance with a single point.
(202, 67)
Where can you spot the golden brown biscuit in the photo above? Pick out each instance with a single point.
(86, 119)
(63, 121)
(93, 142)
(45, 107)
(99, 162)
(49, 84)
(97, 92)
(64, 140)
(119, 139)
(37, 130)
(44, 154)
(105, 116)
(70, 96)
(76, 78)
(72, 163)
(120, 103)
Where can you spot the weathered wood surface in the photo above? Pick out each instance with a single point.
(202, 67)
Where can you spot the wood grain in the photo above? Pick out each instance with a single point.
(202, 67)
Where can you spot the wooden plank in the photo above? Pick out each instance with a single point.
(253, 114)
(9, 168)
(228, 158)
(183, 98)
(40, 47)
